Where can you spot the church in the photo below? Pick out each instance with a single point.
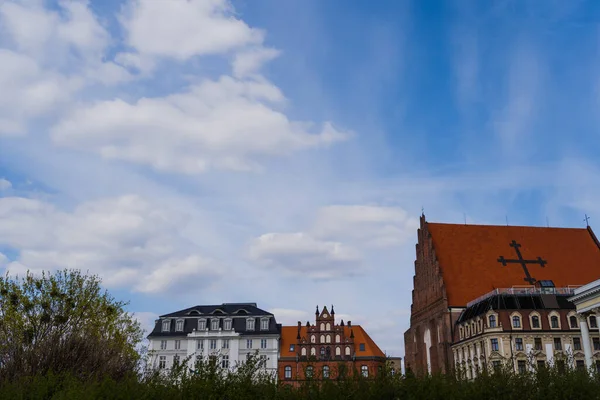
(482, 291)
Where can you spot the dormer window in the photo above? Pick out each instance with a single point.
(516, 321)
(250, 324)
(264, 324)
(227, 324)
(179, 325)
(214, 324)
(166, 325)
(201, 324)
(492, 320)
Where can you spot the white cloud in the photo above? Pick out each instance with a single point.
(5, 184)
(249, 62)
(146, 319)
(127, 241)
(224, 124)
(181, 29)
(370, 225)
(298, 254)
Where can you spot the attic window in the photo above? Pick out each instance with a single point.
(361, 347)
(250, 324)
(214, 324)
(166, 325)
(201, 324)
(292, 347)
(264, 324)
(227, 324)
(179, 325)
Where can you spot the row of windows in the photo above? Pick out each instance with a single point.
(325, 339)
(215, 323)
(536, 323)
(325, 350)
(309, 372)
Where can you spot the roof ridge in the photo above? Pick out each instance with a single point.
(505, 226)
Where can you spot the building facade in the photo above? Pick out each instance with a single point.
(327, 350)
(523, 329)
(230, 332)
(587, 305)
(456, 264)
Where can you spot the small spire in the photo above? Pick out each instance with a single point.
(342, 323)
(332, 310)
(317, 312)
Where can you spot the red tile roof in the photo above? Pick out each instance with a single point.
(289, 336)
(468, 257)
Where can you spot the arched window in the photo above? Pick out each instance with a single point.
(492, 321)
(535, 322)
(322, 351)
(554, 322)
(328, 326)
(338, 351)
(325, 371)
(322, 339)
(337, 338)
(313, 351)
(303, 351)
(309, 371)
(573, 321)
(322, 326)
(347, 350)
(313, 338)
(328, 339)
(516, 321)
(288, 372)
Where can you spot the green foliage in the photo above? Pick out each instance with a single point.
(64, 323)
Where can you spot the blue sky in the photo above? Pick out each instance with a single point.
(280, 152)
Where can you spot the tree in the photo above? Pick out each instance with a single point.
(64, 322)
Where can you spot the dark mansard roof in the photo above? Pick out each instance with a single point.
(238, 312)
(517, 302)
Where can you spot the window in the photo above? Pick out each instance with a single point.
(347, 350)
(200, 344)
(541, 363)
(519, 344)
(179, 326)
(521, 366)
(248, 343)
(303, 351)
(557, 344)
(287, 372)
(250, 324)
(573, 321)
(313, 338)
(213, 344)
(163, 344)
(225, 344)
(309, 371)
(554, 322)
(263, 343)
(313, 351)
(328, 327)
(166, 325)
(593, 322)
(322, 326)
(337, 338)
(177, 344)
(537, 343)
(264, 324)
(576, 343)
(596, 343)
(535, 322)
(291, 347)
(325, 371)
(328, 339)
(214, 324)
(338, 351)
(516, 321)
(492, 321)
(225, 361)
(176, 359)
(322, 351)
(494, 344)
(361, 347)
(227, 325)
(322, 339)
(579, 364)
(364, 370)
(202, 324)
(162, 362)
(496, 364)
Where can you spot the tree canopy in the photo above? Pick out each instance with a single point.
(64, 322)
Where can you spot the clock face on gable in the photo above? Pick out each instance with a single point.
(326, 315)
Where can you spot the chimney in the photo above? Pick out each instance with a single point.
(349, 324)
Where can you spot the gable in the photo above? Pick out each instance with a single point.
(471, 257)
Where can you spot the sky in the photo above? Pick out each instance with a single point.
(281, 152)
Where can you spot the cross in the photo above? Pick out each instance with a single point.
(522, 261)
(587, 220)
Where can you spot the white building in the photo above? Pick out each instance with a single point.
(230, 331)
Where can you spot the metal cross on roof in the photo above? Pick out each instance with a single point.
(522, 261)
(587, 220)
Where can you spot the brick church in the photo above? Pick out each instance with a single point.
(458, 265)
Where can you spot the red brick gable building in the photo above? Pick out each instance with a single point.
(456, 264)
(322, 350)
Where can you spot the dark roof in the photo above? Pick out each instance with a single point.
(239, 312)
(515, 302)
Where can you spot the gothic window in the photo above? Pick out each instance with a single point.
(338, 351)
(322, 339)
(322, 326)
(313, 338)
(309, 371)
(322, 351)
(364, 371)
(328, 327)
(328, 339)
(337, 338)
(303, 351)
(347, 350)
(313, 351)
(325, 371)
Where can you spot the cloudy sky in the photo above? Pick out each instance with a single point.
(280, 152)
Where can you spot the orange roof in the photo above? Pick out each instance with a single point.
(468, 256)
(289, 336)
